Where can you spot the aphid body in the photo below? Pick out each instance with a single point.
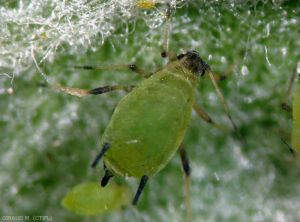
(148, 124)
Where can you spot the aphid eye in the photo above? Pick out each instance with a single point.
(180, 56)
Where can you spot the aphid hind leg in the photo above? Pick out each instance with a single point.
(141, 187)
(118, 67)
(96, 91)
(104, 149)
(187, 172)
(106, 177)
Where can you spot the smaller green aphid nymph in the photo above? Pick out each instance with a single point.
(89, 199)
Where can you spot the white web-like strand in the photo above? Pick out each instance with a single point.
(32, 31)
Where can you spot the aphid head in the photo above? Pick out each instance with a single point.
(193, 62)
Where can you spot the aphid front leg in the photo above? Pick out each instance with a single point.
(118, 67)
(142, 185)
(97, 91)
(187, 172)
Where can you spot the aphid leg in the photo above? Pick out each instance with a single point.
(187, 172)
(100, 90)
(166, 36)
(227, 72)
(223, 76)
(140, 189)
(105, 89)
(203, 115)
(118, 67)
(100, 154)
(219, 77)
(292, 151)
(223, 102)
(106, 177)
(284, 104)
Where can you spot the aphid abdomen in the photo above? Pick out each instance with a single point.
(148, 125)
(296, 120)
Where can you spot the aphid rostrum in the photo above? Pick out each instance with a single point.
(148, 124)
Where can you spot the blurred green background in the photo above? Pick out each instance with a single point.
(48, 139)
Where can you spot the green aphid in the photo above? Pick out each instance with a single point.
(148, 124)
(90, 199)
